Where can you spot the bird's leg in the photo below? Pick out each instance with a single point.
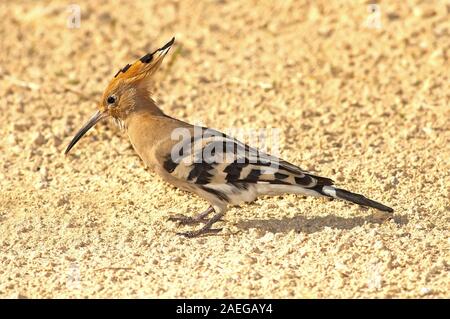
(206, 229)
(187, 220)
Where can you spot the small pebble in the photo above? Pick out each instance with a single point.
(425, 291)
(267, 237)
(39, 139)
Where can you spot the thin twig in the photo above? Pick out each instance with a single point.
(21, 83)
(115, 268)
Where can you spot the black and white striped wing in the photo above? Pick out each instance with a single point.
(225, 171)
(224, 164)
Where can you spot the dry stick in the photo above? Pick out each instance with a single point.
(114, 268)
(34, 86)
(21, 83)
(68, 88)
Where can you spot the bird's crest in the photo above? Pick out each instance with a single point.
(143, 67)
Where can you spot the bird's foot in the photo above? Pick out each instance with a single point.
(187, 220)
(199, 232)
(206, 229)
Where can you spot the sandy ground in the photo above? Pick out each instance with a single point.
(366, 104)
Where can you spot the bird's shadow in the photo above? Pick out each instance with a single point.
(302, 224)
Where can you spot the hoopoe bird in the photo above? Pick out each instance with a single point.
(216, 167)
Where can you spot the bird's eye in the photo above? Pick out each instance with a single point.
(111, 99)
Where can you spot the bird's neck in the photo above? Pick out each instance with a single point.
(145, 104)
(145, 127)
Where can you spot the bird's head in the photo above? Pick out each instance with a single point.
(127, 89)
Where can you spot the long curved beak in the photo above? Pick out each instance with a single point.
(89, 124)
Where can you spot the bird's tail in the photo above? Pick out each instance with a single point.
(331, 191)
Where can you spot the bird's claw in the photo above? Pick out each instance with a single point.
(201, 231)
(187, 220)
